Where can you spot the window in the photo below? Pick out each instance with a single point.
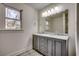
(12, 19)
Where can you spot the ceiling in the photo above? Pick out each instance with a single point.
(38, 6)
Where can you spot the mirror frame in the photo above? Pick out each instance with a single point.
(66, 22)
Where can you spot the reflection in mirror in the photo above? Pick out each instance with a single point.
(57, 23)
(10, 18)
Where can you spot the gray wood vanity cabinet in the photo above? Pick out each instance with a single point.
(50, 46)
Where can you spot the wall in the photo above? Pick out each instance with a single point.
(77, 46)
(2, 16)
(71, 23)
(13, 41)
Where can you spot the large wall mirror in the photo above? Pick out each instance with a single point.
(10, 18)
(57, 23)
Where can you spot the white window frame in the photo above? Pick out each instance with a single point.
(20, 19)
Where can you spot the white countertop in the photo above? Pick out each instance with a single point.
(63, 37)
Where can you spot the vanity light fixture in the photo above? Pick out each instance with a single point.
(52, 11)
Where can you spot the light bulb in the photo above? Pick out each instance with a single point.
(58, 9)
(48, 12)
(45, 14)
(52, 11)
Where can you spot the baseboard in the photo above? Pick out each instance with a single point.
(17, 52)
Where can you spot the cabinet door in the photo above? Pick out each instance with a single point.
(60, 48)
(43, 45)
(63, 48)
(36, 42)
(57, 48)
(50, 47)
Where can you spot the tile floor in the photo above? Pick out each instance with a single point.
(30, 53)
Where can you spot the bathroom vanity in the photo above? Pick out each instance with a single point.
(51, 45)
(51, 39)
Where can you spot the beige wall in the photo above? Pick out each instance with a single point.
(2, 25)
(13, 41)
(71, 24)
